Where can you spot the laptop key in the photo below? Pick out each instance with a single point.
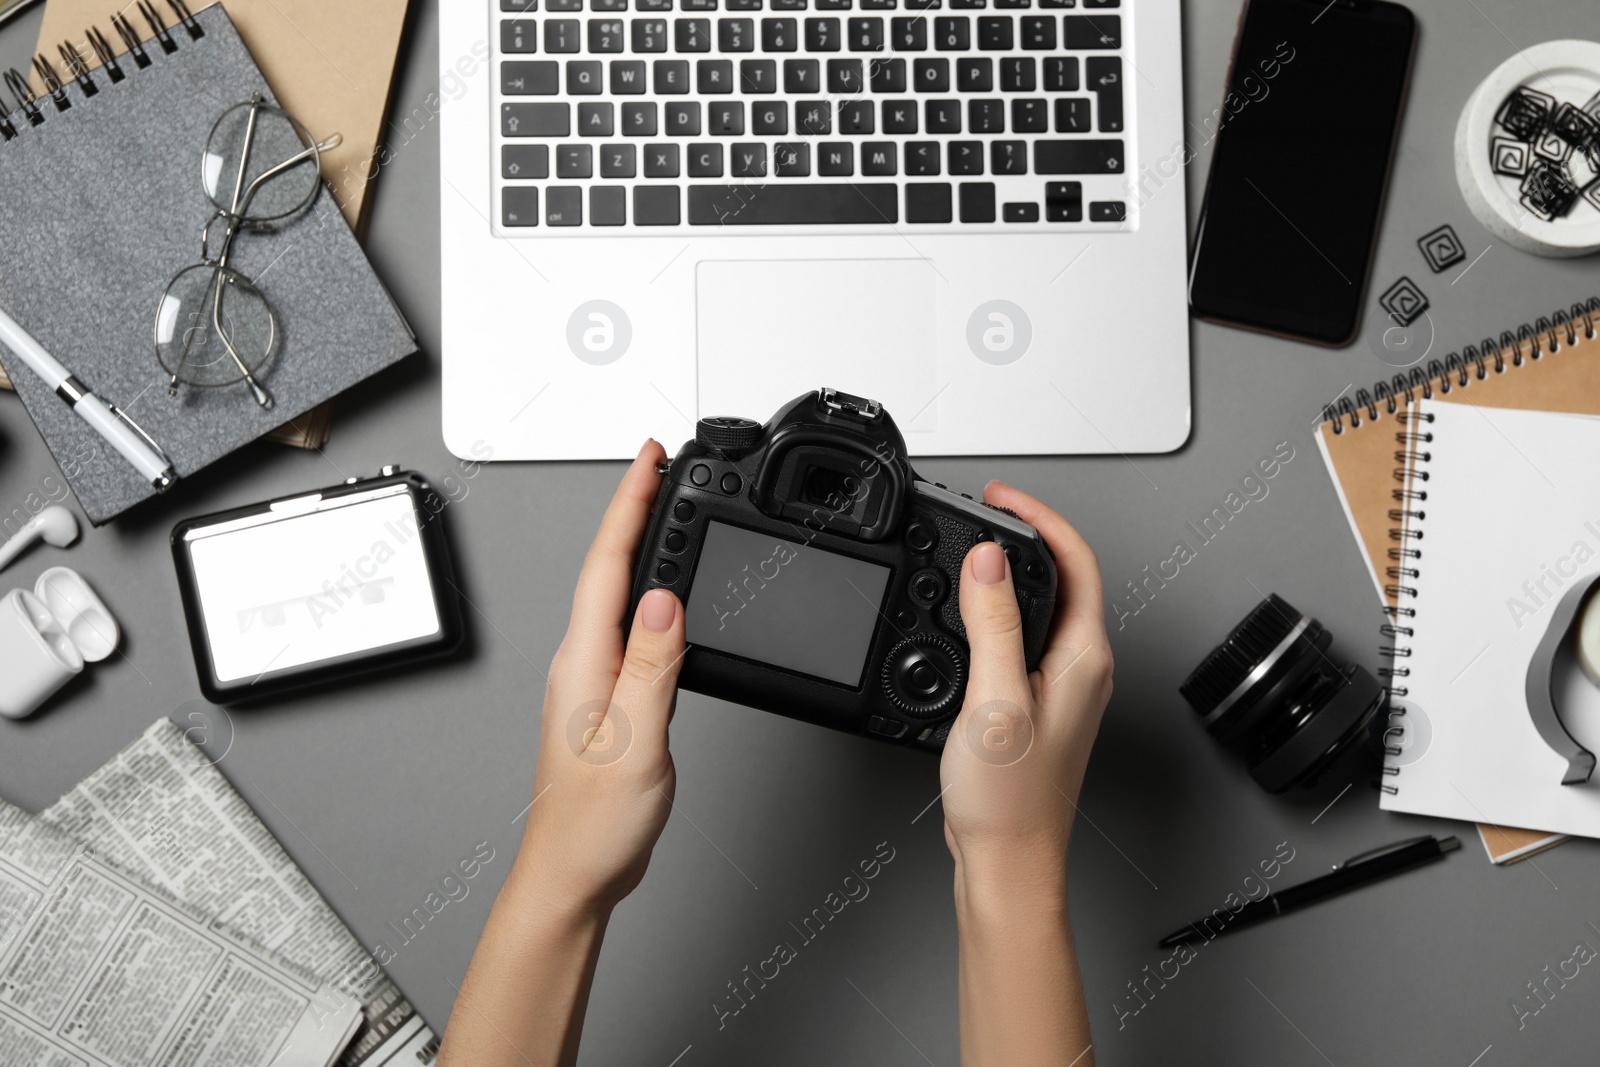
(1017, 212)
(691, 35)
(927, 202)
(1008, 157)
(1077, 157)
(922, 158)
(649, 35)
(836, 159)
(887, 75)
(986, 116)
(909, 34)
(1063, 201)
(975, 74)
(519, 5)
(879, 158)
(758, 76)
(866, 35)
(639, 118)
(813, 116)
(524, 78)
(683, 120)
(749, 160)
(1029, 116)
(563, 205)
(994, 33)
(770, 118)
(1107, 211)
(1081, 33)
(1061, 74)
(1017, 75)
(574, 161)
(725, 119)
(1072, 114)
(519, 35)
(655, 205)
(524, 161)
(596, 120)
(627, 77)
(802, 76)
(736, 35)
(822, 35)
(952, 34)
(866, 203)
(966, 157)
(714, 76)
(660, 161)
(931, 75)
(671, 76)
(519, 205)
(780, 35)
(899, 116)
(1039, 33)
(561, 35)
(535, 120)
(844, 76)
(584, 78)
(608, 205)
(617, 161)
(605, 35)
(705, 161)
(856, 116)
(792, 159)
(944, 116)
(977, 201)
(1103, 75)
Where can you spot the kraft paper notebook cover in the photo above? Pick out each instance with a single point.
(341, 82)
(105, 203)
(1358, 443)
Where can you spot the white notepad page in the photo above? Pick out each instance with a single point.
(1511, 521)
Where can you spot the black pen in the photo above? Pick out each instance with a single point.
(1353, 873)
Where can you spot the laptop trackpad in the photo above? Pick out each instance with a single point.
(770, 330)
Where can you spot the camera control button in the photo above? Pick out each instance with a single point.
(927, 587)
(886, 727)
(921, 536)
(906, 619)
(683, 511)
(983, 535)
(700, 474)
(1034, 569)
(667, 572)
(676, 541)
(924, 675)
(1013, 555)
(731, 483)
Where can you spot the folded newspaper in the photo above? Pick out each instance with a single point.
(96, 969)
(162, 814)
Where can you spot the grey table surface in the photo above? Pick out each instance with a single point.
(379, 789)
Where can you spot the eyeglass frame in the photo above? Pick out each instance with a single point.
(237, 220)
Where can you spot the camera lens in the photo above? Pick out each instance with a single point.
(1271, 694)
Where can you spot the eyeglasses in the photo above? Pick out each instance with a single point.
(261, 169)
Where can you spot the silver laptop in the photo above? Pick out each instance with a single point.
(969, 210)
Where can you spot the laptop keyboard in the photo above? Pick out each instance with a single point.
(940, 115)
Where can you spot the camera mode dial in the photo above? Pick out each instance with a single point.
(727, 433)
(923, 675)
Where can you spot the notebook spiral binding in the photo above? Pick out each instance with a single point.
(112, 65)
(1528, 343)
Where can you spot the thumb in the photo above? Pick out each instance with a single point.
(994, 625)
(647, 688)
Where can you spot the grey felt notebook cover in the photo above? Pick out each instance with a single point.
(102, 203)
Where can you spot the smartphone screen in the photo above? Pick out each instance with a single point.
(1303, 143)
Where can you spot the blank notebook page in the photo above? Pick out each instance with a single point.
(1511, 522)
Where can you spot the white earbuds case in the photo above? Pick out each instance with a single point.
(46, 635)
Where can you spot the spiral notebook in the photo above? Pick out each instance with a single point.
(1524, 483)
(1549, 364)
(103, 203)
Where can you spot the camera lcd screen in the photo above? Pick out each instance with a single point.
(786, 604)
(278, 591)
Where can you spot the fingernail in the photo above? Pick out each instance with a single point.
(657, 610)
(997, 481)
(988, 563)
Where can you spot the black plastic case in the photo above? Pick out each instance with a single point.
(427, 507)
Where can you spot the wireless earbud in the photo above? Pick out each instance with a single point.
(55, 525)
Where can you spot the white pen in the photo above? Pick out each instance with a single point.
(119, 431)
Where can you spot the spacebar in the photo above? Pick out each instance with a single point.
(793, 205)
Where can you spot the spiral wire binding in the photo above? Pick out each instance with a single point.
(1546, 335)
(77, 68)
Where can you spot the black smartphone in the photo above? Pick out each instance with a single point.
(1304, 139)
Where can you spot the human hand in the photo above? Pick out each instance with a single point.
(1015, 758)
(604, 783)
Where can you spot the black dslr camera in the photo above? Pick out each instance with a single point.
(819, 573)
